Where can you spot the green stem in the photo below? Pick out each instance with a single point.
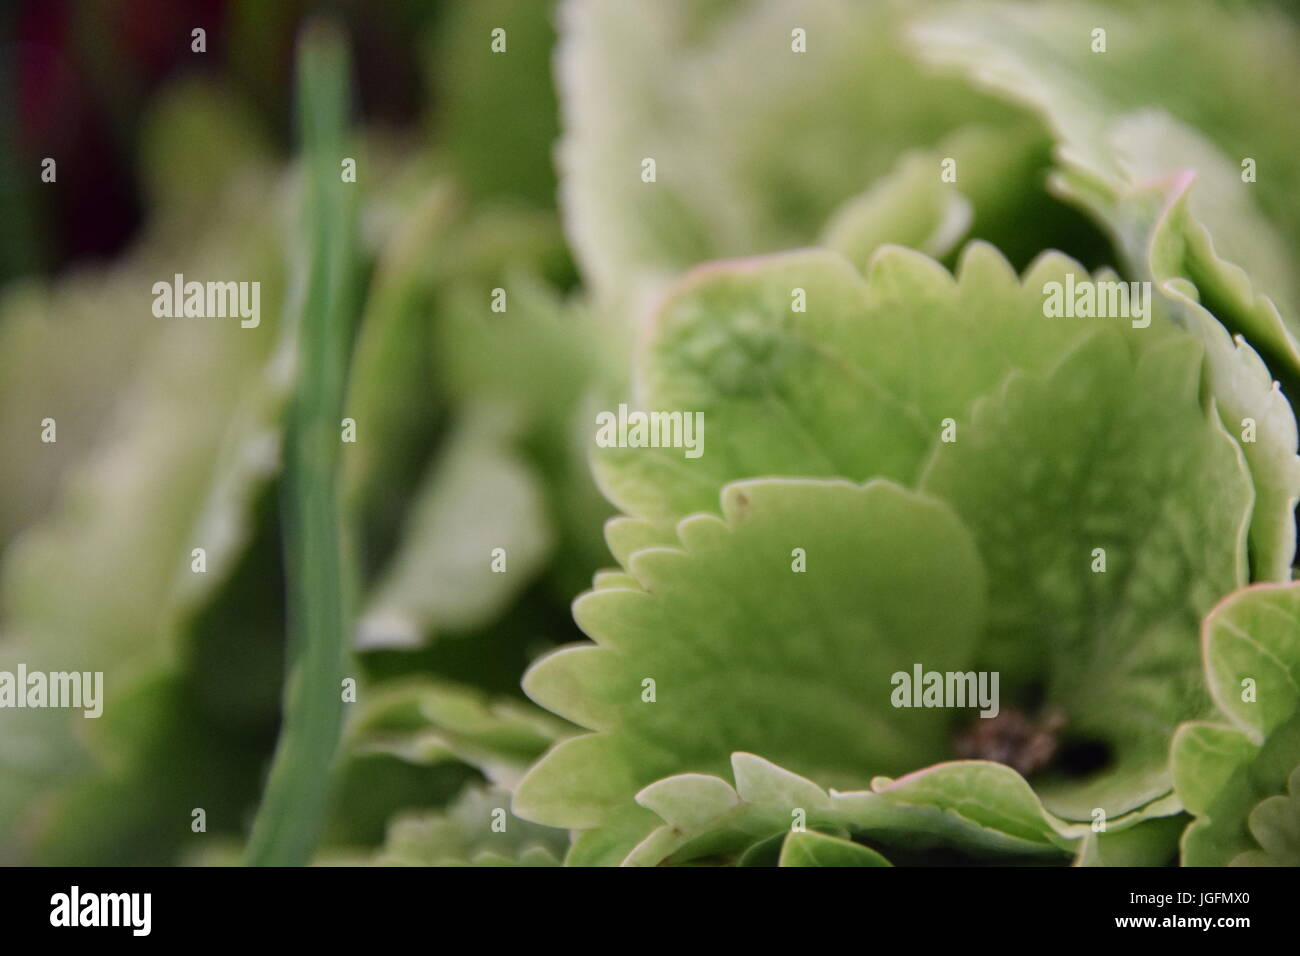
(293, 808)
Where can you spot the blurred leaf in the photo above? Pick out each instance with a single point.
(197, 140)
(714, 93)
(478, 830)
(1169, 246)
(1205, 67)
(447, 574)
(427, 721)
(103, 582)
(293, 806)
(496, 113)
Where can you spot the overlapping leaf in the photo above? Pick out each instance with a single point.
(1112, 512)
(1179, 205)
(859, 383)
(743, 653)
(478, 830)
(1240, 777)
(429, 721)
(1069, 436)
(717, 96)
(958, 811)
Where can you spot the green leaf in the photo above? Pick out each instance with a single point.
(1067, 432)
(784, 392)
(1200, 67)
(1275, 825)
(167, 436)
(478, 830)
(715, 95)
(539, 357)
(293, 806)
(989, 795)
(1178, 208)
(996, 192)
(793, 666)
(429, 721)
(908, 207)
(1152, 842)
(957, 811)
(809, 848)
(1240, 778)
(1168, 244)
(1100, 439)
(475, 88)
(444, 576)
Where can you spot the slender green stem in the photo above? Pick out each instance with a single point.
(293, 808)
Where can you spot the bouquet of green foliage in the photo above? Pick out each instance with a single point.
(732, 432)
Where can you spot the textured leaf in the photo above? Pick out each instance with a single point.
(1165, 244)
(1101, 439)
(888, 359)
(966, 810)
(1240, 778)
(1177, 207)
(793, 666)
(1071, 435)
(778, 398)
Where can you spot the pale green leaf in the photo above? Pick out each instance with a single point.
(1240, 779)
(429, 721)
(786, 392)
(965, 810)
(809, 848)
(447, 575)
(792, 666)
(716, 96)
(1051, 469)
(478, 830)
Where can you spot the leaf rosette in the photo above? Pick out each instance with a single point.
(1059, 535)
